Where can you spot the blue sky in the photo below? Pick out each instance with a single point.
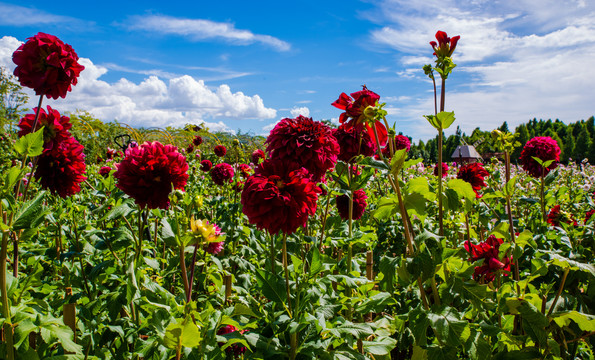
(246, 65)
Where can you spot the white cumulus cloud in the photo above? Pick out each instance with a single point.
(304, 111)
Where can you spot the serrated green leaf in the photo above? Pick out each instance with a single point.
(445, 119)
(396, 163)
(585, 322)
(271, 285)
(380, 345)
(30, 144)
(28, 215)
(565, 263)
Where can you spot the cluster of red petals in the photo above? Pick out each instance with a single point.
(555, 217)
(61, 169)
(197, 140)
(206, 165)
(445, 46)
(401, 142)
(309, 143)
(190, 149)
(444, 170)
(104, 171)
(488, 251)
(245, 170)
(279, 196)
(354, 107)
(47, 65)
(588, 215)
(220, 150)
(474, 174)
(256, 156)
(111, 153)
(544, 148)
(222, 173)
(149, 171)
(237, 349)
(353, 141)
(359, 205)
(56, 126)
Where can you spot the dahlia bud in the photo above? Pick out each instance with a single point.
(370, 112)
(236, 142)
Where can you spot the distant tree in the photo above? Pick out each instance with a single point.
(568, 150)
(12, 99)
(583, 144)
(504, 127)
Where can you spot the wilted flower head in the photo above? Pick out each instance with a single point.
(61, 169)
(47, 65)
(556, 216)
(359, 205)
(279, 196)
(445, 46)
(56, 126)
(222, 173)
(544, 148)
(206, 165)
(149, 172)
(220, 150)
(256, 156)
(489, 251)
(306, 142)
(353, 141)
(355, 107)
(474, 174)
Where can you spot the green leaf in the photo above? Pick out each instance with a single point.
(448, 325)
(396, 164)
(380, 345)
(119, 211)
(433, 121)
(28, 215)
(30, 144)
(445, 119)
(316, 265)
(271, 285)
(181, 334)
(373, 163)
(565, 263)
(409, 163)
(510, 186)
(585, 322)
(532, 316)
(386, 208)
(12, 177)
(462, 188)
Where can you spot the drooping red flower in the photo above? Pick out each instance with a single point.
(353, 141)
(56, 126)
(544, 148)
(489, 252)
(355, 107)
(256, 156)
(445, 46)
(245, 170)
(556, 216)
(206, 165)
(61, 169)
(220, 150)
(104, 171)
(444, 170)
(359, 205)
(149, 171)
(309, 143)
(279, 196)
(197, 140)
(401, 142)
(474, 174)
(222, 173)
(237, 349)
(47, 65)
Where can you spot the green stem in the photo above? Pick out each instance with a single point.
(440, 211)
(286, 271)
(566, 271)
(542, 194)
(5, 305)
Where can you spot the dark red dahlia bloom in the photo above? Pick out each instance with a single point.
(444, 170)
(445, 46)
(110, 153)
(279, 196)
(245, 170)
(189, 149)
(222, 173)
(544, 148)
(588, 215)
(206, 165)
(309, 143)
(401, 142)
(489, 252)
(149, 171)
(197, 140)
(353, 141)
(359, 205)
(556, 216)
(256, 156)
(61, 169)
(474, 174)
(47, 65)
(220, 150)
(237, 349)
(355, 107)
(104, 171)
(56, 126)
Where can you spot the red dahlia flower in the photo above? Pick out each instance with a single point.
(557, 216)
(359, 205)
(588, 215)
(309, 143)
(445, 46)
(355, 111)
(150, 171)
(237, 349)
(220, 150)
(61, 169)
(544, 148)
(222, 173)
(206, 165)
(444, 170)
(245, 170)
(353, 141)
(474, 174)
(189, 149)
(110, 153)
(279, 196)
(197, 140)
(401, 142)
(56, 126)
(256, 156)
(47, 65)
(104, 171)
(489, 251)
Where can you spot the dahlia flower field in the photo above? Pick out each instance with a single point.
(323, 243)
